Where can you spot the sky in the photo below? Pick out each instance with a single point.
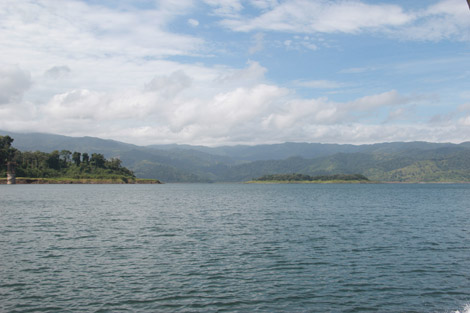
(227, 72)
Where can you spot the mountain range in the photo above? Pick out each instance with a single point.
(391, 162)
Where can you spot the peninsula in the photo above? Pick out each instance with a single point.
(61, 167)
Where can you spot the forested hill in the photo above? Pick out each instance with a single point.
(397, 161)
(62, 164)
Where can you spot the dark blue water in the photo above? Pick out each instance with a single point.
(235, 248)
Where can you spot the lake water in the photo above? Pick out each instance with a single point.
(235, 248)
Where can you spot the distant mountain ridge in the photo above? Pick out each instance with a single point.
(395, 161)
(305, 150)
(49, 142)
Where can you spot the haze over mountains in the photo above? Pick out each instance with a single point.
(398, 161)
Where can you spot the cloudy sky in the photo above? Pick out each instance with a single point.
(223, 72)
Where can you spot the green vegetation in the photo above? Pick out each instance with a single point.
(66, 180)
(411, 166)
(147, 169)
(302, 178)
(388, 162)
(7, 152)
(63, 166)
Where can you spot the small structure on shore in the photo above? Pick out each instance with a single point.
(11, 173)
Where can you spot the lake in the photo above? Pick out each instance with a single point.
(235, 248)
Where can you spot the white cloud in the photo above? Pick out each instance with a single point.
(397, 114)
(107, 48)
(226, 8)
(258, 43)
(364, 133)
(301, 113)
(221, 107)
(302, 16)
(389, 98)
(125, 86)
(169, 86)
(13, 83)
(241, 77)
(446, 19)
(162, 101)
(264, 4)
(57, 72)
(310, 46)
(168, 109)
(465, 121)
(193, 22)
(300, 43)
(79, 30)
(464, 107)
(319, 84)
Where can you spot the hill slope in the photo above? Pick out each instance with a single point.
(397, 161)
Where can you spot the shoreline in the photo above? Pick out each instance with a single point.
(312, 182)
(65, 181)
(352, 182)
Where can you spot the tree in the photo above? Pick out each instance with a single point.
(85, 158)
(65, 155)
(97, 160)
(76, 158)
(114, 164)
(53, 161)
(6, 151)
(65, 158)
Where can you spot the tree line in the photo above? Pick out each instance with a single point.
(62, 163)
(303, 177)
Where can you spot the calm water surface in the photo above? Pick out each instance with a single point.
(235, 248)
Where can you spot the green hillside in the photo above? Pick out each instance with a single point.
(394, 162)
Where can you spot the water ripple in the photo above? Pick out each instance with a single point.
(235, 248)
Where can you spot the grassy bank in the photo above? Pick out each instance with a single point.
(65, 180)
